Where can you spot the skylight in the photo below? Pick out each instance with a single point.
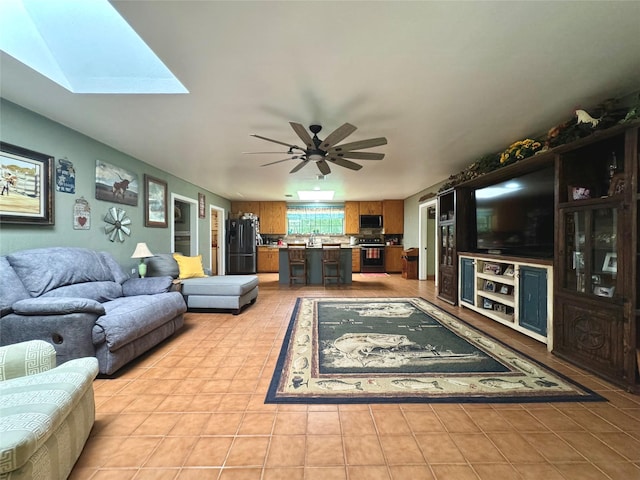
(86, 47)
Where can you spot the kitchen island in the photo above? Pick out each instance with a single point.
(314, 266)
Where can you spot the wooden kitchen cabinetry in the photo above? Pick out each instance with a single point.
(245, 207)
(371, 208)
(393, 216)
(268, 259)
(351, 218)
(393, 259)
(355, 259)
(273, 218)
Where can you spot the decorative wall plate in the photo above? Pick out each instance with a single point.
(117, 224)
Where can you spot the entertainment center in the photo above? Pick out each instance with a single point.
(549, 247)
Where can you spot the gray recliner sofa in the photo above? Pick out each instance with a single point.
(82, 303)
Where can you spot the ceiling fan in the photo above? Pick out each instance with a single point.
(324, 152)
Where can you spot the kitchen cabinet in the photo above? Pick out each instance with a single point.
(351, 218)
(393, 259)
(268, 259)
(355, 259)
(393, 216)
(371, 208)
(273, 218)
(245, 207)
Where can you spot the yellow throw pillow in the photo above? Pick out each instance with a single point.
(190, 267)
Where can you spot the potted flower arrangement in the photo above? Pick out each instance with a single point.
(519, 150)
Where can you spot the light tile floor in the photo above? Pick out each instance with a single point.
(193, 408)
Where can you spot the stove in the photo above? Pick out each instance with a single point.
(371, 254)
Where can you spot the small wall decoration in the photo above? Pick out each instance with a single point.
(155, 202)
(201, 205)
(81, 215)
(610, 263)
(65, 176)
(115, 184)
(117, 224)
(27, 186)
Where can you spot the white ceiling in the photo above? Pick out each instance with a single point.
(444, 82)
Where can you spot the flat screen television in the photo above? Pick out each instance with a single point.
(516, 217)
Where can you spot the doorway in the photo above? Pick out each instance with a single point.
(428, 265)
(184, 224)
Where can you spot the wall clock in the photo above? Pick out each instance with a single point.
(117, 224)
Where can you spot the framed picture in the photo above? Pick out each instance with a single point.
(578, 261)
(27, 186)
(489, 286)
(509, 271)
(115, 184)
(505, 290)
(492, 268)
(603, 291)
(610, 262)
(486, 303)
(616, 186)
(155, 202)
(579, 193)
(201, 205)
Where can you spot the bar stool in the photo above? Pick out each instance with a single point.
(297, 262)
(330, 262)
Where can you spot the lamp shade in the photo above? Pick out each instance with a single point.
(142, 251)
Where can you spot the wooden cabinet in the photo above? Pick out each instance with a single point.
(453, 227)
(512, 291)
(393, 259)
(355, 259)
(351, 218)
(393, 216)
(273, 218)
(268, 259)
(371, 208)
(245, 207)
(597, 283)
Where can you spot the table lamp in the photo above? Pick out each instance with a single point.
(142, 252)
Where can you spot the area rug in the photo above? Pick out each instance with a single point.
(394, 350)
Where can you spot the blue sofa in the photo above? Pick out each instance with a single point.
(82, 303)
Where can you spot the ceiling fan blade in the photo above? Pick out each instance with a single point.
(279, 161)
(345, 163)
(372, 142)
(263, 153)
(323, 166)
(337, 135)
(299, 166)
(303, 134)
(275, 141)
(360, 155)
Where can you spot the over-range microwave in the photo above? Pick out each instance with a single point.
(370, 221)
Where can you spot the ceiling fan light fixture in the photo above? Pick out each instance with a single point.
(315, 195)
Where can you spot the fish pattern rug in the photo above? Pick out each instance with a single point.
(373, 350)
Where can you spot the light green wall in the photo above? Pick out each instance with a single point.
(21, 127)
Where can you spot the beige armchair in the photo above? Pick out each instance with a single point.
(46, 412)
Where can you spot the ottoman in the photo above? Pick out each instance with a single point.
(222, 292)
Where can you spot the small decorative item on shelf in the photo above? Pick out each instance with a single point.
(486, 303)
(579, 193)
(492, 268)
(509, 271)
(604, 291)
(520, 150)
(610, 263)
(505, 290)
(616, 186)
(489, 286)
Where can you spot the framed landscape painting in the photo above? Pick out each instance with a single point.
(155, 202)
(27, 186)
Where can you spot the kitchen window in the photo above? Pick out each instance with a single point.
(315, 219)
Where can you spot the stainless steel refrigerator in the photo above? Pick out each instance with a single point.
(241, 246)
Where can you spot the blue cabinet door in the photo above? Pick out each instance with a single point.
(467, 280)
(532, 314)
